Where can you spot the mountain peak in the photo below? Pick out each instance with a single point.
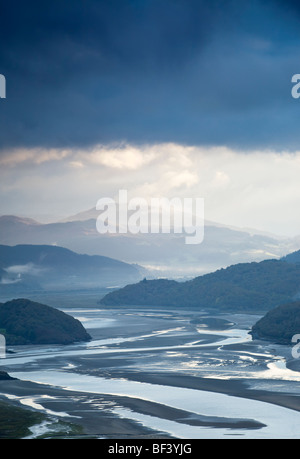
(90, 214)
(15, 219)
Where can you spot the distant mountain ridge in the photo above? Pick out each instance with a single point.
(166, 254)
(11, 219)
(25, 267)
(292, 257)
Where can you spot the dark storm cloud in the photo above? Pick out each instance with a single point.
(86, 72)
(289, 4)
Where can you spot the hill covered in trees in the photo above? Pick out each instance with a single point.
(242, 287)
(27, 268)
(280, 324)
(25, 322)
(293, 257)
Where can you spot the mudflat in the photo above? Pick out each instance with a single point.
(178, 349)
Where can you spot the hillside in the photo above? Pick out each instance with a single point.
(25, 322)
(280, 324)
(292, 257)
(167, 253)
(34, 267)
(242, 287)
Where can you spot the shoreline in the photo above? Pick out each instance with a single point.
(122, 349)
(81, 407)
(94, 423)
(233, 387)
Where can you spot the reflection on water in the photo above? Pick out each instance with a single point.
(279, 421)
(176, 343)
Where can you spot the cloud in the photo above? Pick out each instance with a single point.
(191, 98)
(128, 157)
(258, 189)
(221, 179)
(148, 72)
(5, 281)
(15, 157)
(29, 268)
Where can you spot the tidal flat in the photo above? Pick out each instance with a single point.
(159, 373)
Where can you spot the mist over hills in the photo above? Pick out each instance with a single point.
(233, 269)
(166, 255)
(247, 287)
(44, 267)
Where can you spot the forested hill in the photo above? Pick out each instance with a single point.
(43, 267)
(293, 257)
(26, 322)
(247, 286)
(280, 324)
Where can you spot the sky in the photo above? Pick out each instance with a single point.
(170, 98)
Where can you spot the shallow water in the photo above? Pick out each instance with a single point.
(280, 422)
(129, 342)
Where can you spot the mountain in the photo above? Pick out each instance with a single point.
(25, 322)
(242, 287)
(292, 257)
(279, 325)
(35, 267)
(166, 255)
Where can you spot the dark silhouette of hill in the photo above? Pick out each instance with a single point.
(293, 257)
(280, 324)
(242, 287)
(5, 376)
(26, 322)
(31, 267)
